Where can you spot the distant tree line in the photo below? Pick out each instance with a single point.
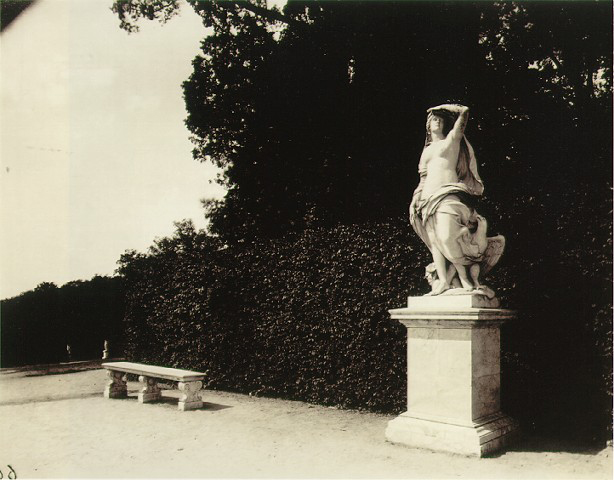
(38, 325)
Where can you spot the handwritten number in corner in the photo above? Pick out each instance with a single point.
(12, 474)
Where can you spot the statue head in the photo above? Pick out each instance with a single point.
(438, 119)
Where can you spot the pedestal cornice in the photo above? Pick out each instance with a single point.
(451, 318)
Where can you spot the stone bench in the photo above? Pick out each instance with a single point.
(190, 383)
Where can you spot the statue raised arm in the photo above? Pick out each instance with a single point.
(441, 210)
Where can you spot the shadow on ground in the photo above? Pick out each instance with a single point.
(55, 398)
(59, 372)
(174, 399)
(535, 443)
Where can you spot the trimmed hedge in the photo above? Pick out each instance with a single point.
(302, 318)
(306, 317)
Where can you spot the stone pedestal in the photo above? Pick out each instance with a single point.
(150, 392)
(116, 386)
(190, 398)
(453, 376)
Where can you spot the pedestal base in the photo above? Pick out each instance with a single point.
(115, 392)
(453, 375)
(480, 438)
(116, 385)
(190, 399)
(149, 397)
(183, 406)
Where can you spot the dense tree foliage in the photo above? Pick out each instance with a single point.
(38, 324)
(303, 317)
(317, 115)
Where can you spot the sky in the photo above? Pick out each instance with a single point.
(95, 158)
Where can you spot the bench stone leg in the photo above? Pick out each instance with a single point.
(116, 385)
(150, 392)
(190, 399)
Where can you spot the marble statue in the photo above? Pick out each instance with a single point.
(442, 211)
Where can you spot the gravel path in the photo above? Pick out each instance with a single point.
(59, 426)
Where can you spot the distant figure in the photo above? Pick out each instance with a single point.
(105, 352)
(441, 210)
(69, 352)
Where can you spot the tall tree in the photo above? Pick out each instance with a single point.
(316, 114)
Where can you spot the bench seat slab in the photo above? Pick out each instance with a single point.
(165, 373)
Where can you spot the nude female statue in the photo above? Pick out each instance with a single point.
(441, 209)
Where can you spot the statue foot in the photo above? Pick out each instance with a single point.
(439, 289)
(484, 290)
